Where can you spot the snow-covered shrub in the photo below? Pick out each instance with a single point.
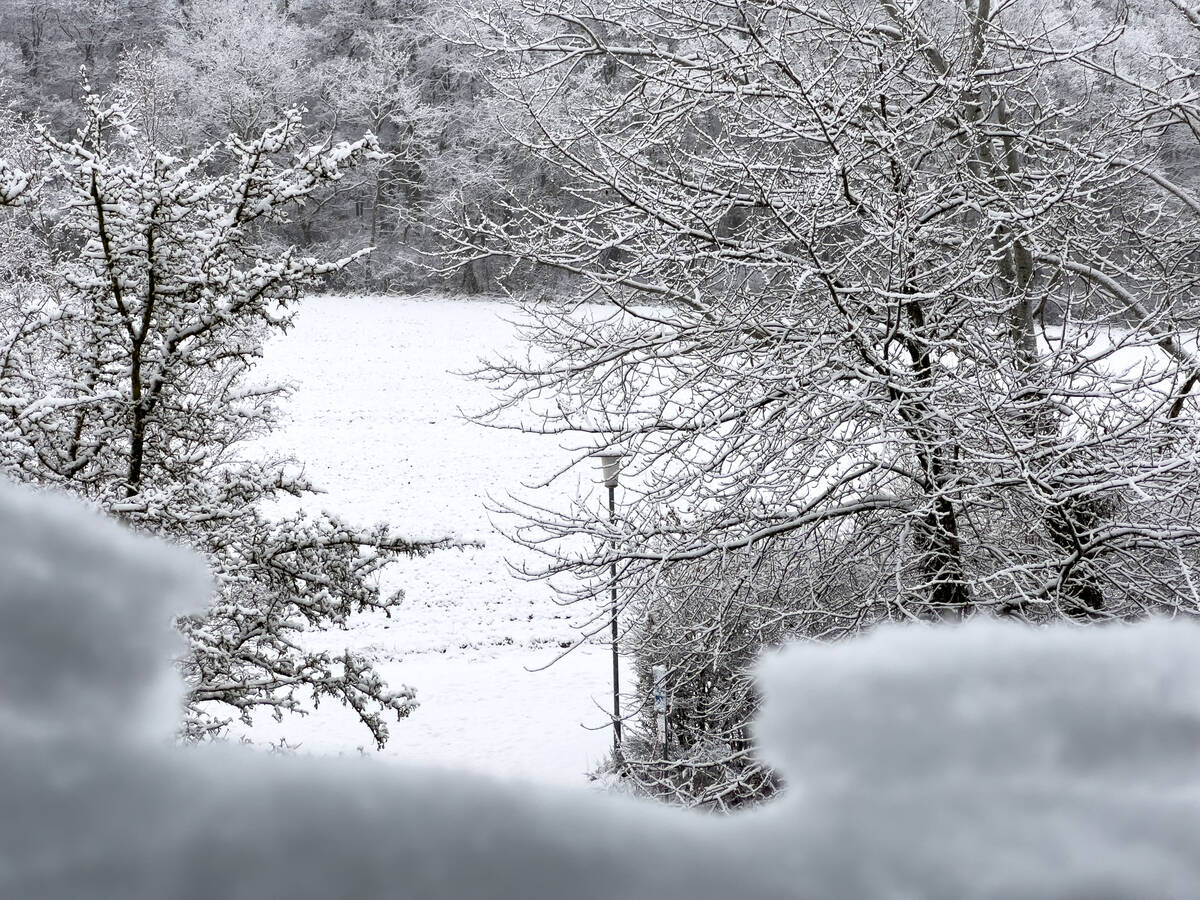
(705, 623)
(125, 381)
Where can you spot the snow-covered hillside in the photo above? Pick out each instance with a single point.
(377, 419)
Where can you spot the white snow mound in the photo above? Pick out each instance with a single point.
(86, 623)
(991, 760)
(987, 760)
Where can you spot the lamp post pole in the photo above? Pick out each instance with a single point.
(610, 464)
(612, 518)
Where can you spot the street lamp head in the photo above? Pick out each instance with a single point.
(610, 466)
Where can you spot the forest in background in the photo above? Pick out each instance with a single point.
(198, 72)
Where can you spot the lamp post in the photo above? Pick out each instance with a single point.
(610, 467)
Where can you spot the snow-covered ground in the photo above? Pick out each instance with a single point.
(377, 419)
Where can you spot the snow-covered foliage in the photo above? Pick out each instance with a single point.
(15, 179)
(13, 183)
(124, 381)
(985, 761)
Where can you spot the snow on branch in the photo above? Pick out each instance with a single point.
(13, 183)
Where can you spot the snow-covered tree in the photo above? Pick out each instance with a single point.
(379, 90)
(242, 64)
(124, 378)
(403, 76)
(900, 291)
(50, 39)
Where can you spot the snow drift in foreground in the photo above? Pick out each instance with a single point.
(983, 761)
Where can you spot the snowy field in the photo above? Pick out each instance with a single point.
(377, 419)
